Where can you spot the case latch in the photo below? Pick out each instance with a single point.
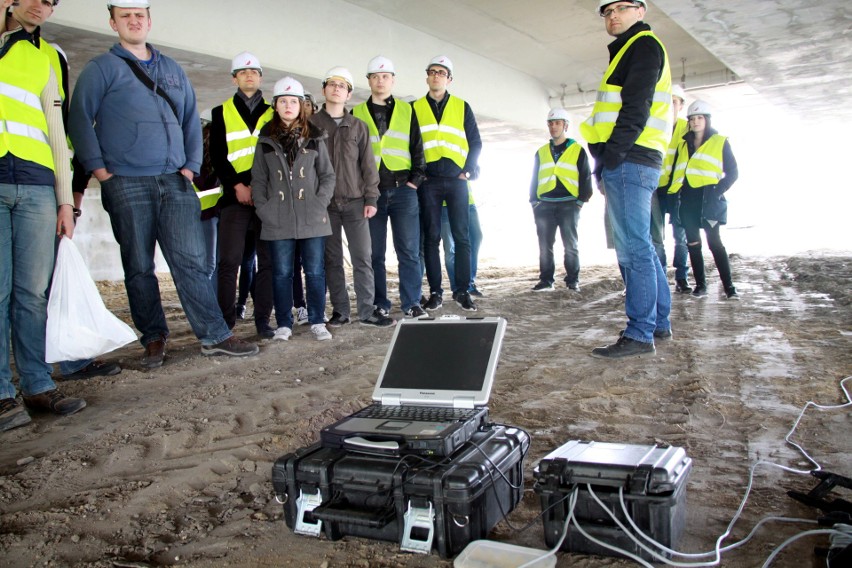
(304, 505)
(419, 529)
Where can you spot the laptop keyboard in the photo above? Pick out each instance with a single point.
(417, 413)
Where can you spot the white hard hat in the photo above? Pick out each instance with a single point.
(380, 64)
(443, 61)
(341, 73)
(677, 91)
(245, 60)
(699, 107)
(128, 4)
(206, 115)
(558, 114)
(604, 3)
(289, 87)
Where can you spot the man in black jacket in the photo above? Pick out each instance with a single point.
(398, 150)
(628, 135)
(233, 137)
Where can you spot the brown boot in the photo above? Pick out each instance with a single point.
(12, 414)
(54, 401)
(155, 352)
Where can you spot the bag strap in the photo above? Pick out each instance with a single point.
(148, 82)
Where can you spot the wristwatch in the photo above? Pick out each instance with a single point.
(467, 175)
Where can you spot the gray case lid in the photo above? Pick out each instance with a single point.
(640, 469)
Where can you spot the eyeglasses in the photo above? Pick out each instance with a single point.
(617, 10)
(334, 85)
(437, 73)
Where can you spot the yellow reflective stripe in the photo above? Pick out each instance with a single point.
(21, 95)
(238, 135)
(601, 117)
(395, 152)
(444, 144)
(375, 139)
(609, 96)
(704, 173)
(662, 97)
(241, 153)
(658, 124)
(707, 158)
(20, 129)
(397, 135)
(209, 192)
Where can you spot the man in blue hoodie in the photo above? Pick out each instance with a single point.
(134, 125)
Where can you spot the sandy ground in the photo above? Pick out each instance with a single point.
(173, 466)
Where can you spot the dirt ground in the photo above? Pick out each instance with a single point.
(173, 466)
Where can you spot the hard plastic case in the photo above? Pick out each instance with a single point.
(423, 504)
(653, 482)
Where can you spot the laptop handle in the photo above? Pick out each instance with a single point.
(380, 445)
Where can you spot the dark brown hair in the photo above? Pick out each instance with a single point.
(277, 125)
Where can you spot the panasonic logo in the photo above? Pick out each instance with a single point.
(427, 393)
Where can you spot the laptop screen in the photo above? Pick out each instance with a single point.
(436, 355)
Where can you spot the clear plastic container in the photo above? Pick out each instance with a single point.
(491, 554)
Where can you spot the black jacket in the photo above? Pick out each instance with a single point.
(637, 74)
(219, 148)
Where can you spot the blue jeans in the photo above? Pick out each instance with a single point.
(658, 218)
(27, 235)
(282, 253)
(474, 232)
(628, 201)
(433, 193)
(163, 209)
(211, 239)
(550, 216)
(399, 204)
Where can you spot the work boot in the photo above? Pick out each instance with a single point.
(624, 348)
(54, 401)
(155, 353)
(700, 290)
(12, 414)
(94, 369)
(682, 286)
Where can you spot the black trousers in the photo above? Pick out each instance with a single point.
(690, 218)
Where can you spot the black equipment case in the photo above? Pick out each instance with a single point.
(418, 502)
(653, 482)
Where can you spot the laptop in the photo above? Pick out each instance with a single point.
(432, 389)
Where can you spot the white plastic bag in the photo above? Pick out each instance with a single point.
(79, 326)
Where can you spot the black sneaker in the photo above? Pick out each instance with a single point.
(378, 319)
(475, 292)
(423, 301)
(240, 311)
(682, 286)
(12, 414)
(434, 302)
(662, 334)
(338, 319)
(94, 369)
(699, 291)
(264, 330)
(465, 301)
(574, 287)
(542, 287)
(624, 348)
(232, 347)
(414, 311)
(731, 293)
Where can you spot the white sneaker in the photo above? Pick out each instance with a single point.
(320, 332)
(301, 316)
(283, 333)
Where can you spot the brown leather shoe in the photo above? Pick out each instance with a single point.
(155, 352)
(12, 414)
(54, 401)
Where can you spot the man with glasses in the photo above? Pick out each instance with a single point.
(628, 135)
(356, 192)
(451, 145)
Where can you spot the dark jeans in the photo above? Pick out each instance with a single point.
(658, 233)
(234, 224)
(163, 209)
(550, 216)
(690, 217)
(399, 205)
(474, 232)
(248, 269)
(282, 253)
(298, 286)
(433, 193)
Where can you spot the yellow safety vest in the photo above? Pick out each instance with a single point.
(241, 142)
(680, 129)
(208, 197)
(658, 128)
(24, 74)
(447, 139)
(565, 169)
(704, 167)
(393, 147)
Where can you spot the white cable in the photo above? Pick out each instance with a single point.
(571, 503)
(794, 538)
(611, 547)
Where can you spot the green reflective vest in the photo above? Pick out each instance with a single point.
(393, 147)
(208, 197)
(241, 142)
(24, 74)
(704, 167)
(447, 139)
(658, 128)
(681, 127)
(565, 169)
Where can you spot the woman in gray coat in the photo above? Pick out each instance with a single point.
(292, 184)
